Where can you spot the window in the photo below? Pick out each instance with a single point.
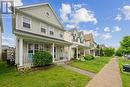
(61, 35)
(30, 48)
(35, 47)
(43, 30)
(51, 33)
(26, 22)
(41, 47)
(47, 14)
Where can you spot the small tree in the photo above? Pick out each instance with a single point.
(108, 51)
(125, 44)
(42, 58)
(89, 57)
(119, 52)
(101, 52)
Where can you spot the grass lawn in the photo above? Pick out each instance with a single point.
(92, 65)
(125, 77)
(55, 76)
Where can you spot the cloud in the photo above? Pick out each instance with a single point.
(84, 15)
(18, 3)
(94, 32)
(8, 41)
(70, 26)
(114, 45)
(77, 6)
(117, 29)
(106, 36)
(118, 17)
(65, 11)
(107, 29)
(126, 12)
(76, 13)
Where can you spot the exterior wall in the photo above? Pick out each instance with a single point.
(67, 36)
(72, 53)
(36, 27)
(40, 12)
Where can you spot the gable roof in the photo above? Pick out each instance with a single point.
(73, 29)
(80, 33)
(88, 37)
(42, 4)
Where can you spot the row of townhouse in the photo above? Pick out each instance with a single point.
(37, 27)
(1, 30)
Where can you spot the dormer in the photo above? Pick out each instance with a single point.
(74, 35)
(81, 37)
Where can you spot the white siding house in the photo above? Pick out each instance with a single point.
(37, 27)
(78, 47)
(89, 40)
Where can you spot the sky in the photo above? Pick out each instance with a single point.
(108, 20)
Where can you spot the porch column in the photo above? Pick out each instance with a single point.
(84, 51)
(20, 52)
(94, 52)
(16, 51)
(53, 45)
(77, 53)
(69, 52)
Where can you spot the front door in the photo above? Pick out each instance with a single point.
(30, 51)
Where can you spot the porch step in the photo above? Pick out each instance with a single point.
(60, 63)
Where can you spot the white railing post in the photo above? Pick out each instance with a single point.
(53, 45)
(69, 52)
(84, 51)
(77, 52)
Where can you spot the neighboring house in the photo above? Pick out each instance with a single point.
(1, 30)
(37, 27)
(8, 52)
(78, 46)
(89, 40)
(102, 46)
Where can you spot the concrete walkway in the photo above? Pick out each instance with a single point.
(84, 72)
(109, 76)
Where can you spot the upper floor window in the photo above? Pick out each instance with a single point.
(47, 14)
(61, 35)
(81, 40)
(43, 30)
(51, 33)
(26, 22)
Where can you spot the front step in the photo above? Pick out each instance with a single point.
(60, 63)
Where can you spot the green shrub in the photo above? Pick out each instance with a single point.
(42, 58)
(89, 57)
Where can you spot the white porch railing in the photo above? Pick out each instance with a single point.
(27, 61)
(64, 57)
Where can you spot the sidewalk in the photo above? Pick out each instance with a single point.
(109, 76)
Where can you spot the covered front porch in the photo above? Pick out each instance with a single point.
(78, 51)
(27, 47)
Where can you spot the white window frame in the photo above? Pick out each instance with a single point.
(34, 46)
(51, 29)
(30, 22)
(41, 25)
